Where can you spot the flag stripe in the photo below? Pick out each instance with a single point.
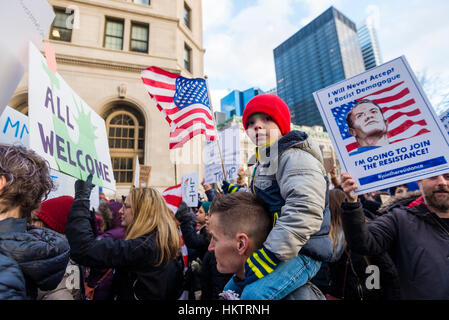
(422, 131)
(407, 124)
(399, 106)
(400, 114)
(158, 84)
(191, 134)
(163, 72)
(163, 98)
(156, 91)
(382, 91)
(392, 98)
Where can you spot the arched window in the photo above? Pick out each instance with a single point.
(126, 134)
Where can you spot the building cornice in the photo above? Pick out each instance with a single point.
(104, 64)
(121, 6)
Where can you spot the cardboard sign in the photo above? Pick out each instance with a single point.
(21, 21)
(393, 136)
(144, 177)
(230, 148)
(64, 129)
(189, 187)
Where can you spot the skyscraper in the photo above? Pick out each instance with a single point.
(325, 51)
(234, 103)
(369, 45)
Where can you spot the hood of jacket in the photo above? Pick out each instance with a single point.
(42, 254)
(398, 201)
(269, 154)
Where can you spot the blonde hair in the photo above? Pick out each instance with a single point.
(336, 198)
(150, 212)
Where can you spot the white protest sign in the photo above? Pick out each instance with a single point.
(14, 127)
(189, 188)
(137, 173)
(14, 130)
(230, 148)
(393, 136)
(65, 186)
(64, 129)
(21, 21)
(445, 120)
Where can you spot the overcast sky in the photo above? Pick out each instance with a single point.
(240, 35)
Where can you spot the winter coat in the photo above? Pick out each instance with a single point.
(70, 288)
(42, 254)
(212, 281)
(415, 240)
(137, 276)
(290, 178)
(12, 282)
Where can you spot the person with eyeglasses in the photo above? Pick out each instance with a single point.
(141, 261)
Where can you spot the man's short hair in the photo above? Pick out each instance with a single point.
(348, 115)
(28, 179)
(242, 212)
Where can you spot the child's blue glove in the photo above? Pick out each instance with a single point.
(229, 187)
(260, 264)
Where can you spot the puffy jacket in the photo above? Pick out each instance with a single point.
(290, 178)
(137, 276)
(414, 238)
(12, 282)
(41, 254)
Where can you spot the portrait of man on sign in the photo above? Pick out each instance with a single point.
(367, 124)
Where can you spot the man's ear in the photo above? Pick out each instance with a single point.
(351, 132)
(3, 182)
(242, 242)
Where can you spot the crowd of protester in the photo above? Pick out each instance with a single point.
(291, 231)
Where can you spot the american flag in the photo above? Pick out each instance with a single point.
(403, 116)
(173, 198)
(183, 102)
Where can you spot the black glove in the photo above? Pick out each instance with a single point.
(183, 213)
(84, 188)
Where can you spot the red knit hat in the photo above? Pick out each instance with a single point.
(271, 105)
(54, 212)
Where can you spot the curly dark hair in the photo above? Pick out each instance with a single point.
(27, 177)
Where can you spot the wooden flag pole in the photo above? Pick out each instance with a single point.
(216, 130)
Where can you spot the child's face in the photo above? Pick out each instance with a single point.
(262, 129)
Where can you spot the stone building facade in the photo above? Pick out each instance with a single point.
(101, 48)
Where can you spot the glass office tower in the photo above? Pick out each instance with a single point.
(369, 45)
(234, 103)
(325, 51)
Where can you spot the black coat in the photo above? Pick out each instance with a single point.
(41, 254)
(137, 276)
(212, 281)
(417, 244)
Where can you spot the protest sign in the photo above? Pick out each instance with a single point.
(141, 175)
(393, 136)
(445, 120)
(21, 21)
(144, 177)
(14, 127)
(189, 187)
(230, 149)
(64, 129)
(136, 174)
(14, 130)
